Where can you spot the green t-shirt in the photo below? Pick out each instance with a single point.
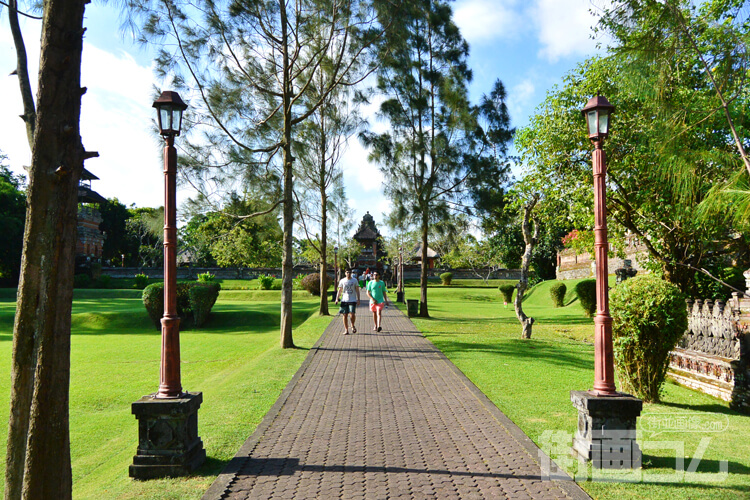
(377, 289)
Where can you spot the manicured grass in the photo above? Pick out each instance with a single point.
(235, 361)
(530, 381)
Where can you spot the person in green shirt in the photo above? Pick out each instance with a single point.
(377, 293)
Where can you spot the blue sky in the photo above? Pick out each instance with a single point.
(528, 44)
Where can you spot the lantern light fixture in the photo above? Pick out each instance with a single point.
(597, 113)
(169, 107)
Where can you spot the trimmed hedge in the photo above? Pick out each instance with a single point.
(507, 291)
(311, 283)
(203, 296)
(557, 292)
(190, 304)
(649, 318)
(586, 292)
(141, 281)
(446, 278)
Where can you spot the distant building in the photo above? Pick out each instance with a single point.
(373, 250)
(432, 256)
(90, 243)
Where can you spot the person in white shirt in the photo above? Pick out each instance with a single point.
(348, 293)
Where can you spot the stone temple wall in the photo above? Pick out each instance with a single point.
(713, 355)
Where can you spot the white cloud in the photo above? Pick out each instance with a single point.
(483, 21)
(519, 97)
(564, 28)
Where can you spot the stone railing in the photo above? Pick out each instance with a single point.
(713, 354)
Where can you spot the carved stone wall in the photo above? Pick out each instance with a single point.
(712, 356)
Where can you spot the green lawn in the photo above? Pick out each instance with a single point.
(235, 361)
(530, 381)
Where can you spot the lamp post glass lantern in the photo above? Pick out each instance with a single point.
(169, 108)
(597, 113)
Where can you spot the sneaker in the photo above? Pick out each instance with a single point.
(380, 328)
(354, 329)
(346, 332)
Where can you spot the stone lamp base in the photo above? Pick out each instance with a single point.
(168, 442)
(606, 430)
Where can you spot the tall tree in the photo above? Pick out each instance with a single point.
(435, 142)
(251, 67)
(38, 454)
(319, 145)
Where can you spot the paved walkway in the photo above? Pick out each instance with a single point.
(384, 415)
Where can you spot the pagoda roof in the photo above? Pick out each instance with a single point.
(87, 195)
(431, 254)
(366, 233)
(88, 176)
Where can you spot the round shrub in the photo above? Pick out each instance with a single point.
(265, 282)
(202, 298)
(446, 278)
(153, 299)
(311, 283)
(507, 291)
(557, 292)
(586, 292)
(649, 318)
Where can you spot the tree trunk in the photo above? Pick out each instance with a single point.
(323, 254)
(423, 311)
(38, 454)
(287, 268)
(530, 240)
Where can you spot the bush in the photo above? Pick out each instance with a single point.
(206, 278)
(153, 299)
(194, 301)
(586, 292)
(265, 282)
(202, 298)
(81, 281)
(297, 282)
(649, 318)
(446, 278)
(141, 281)
(311, 283)
(557, 292)
(507, 291)
(103, 281)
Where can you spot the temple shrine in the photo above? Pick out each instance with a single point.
(373, 251)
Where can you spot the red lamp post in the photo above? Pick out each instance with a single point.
(597, 112)
(169, 108)
(400, 290)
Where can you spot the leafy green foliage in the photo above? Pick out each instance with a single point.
(265, 282)
(649, 318)
(557, 292)
(446, 278)
(103, 281)
(153, 299)
(202, 299)
(507, 291)
(12, 220)
(586, 292)
(311, 283)
(81, 281)
(141, 281)
(206, 277)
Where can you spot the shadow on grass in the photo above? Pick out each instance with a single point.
(705, 466)
(522, 350)
(512, 320)
(710, 408)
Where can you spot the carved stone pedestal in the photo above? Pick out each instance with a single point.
(168, 442)
(606, 430)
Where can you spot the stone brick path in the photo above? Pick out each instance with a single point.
(384, 415)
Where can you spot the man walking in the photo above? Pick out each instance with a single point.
(377, 293)
(348, 292)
